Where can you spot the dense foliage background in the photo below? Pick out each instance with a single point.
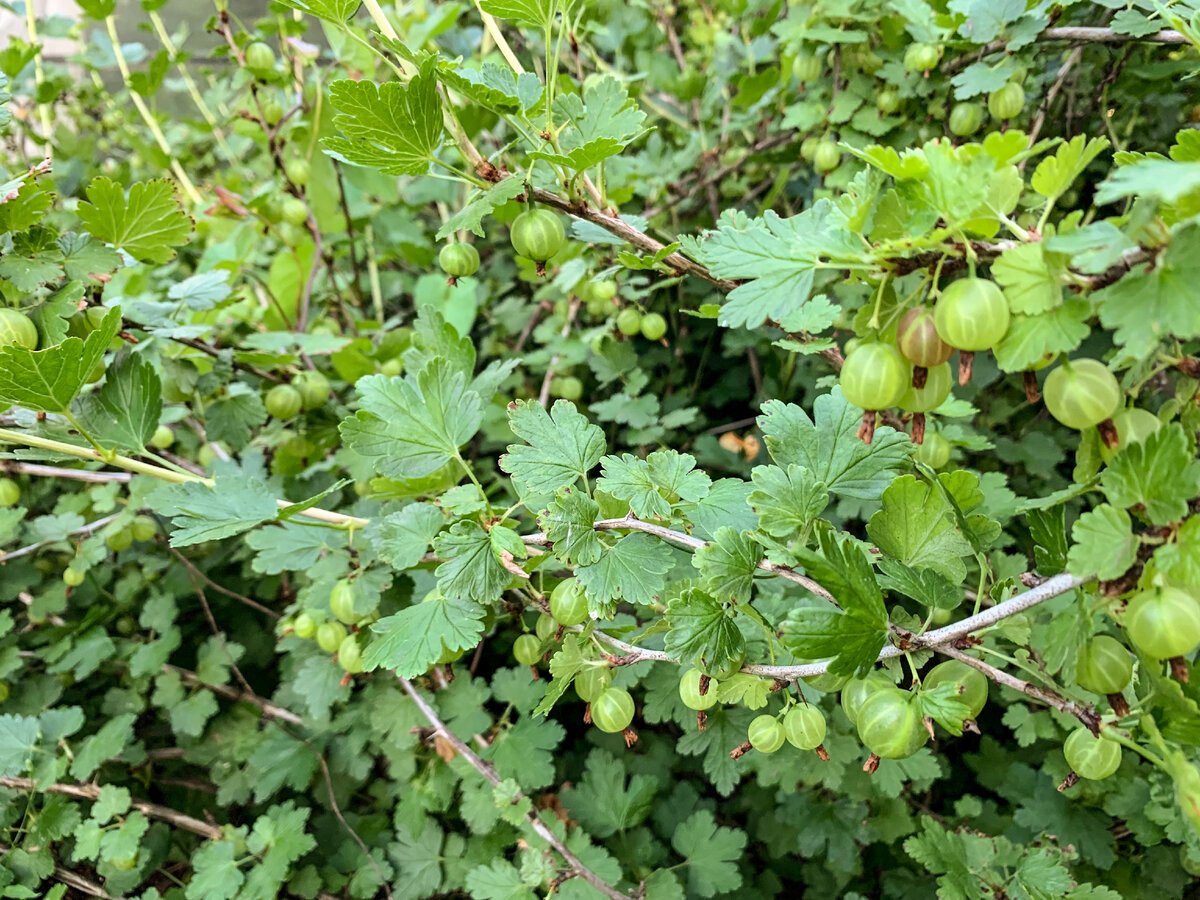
(283, 511)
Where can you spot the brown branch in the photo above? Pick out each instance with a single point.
(268, 709)
(92, 792)
(1071, 34)
(84, 531)
(72, 879)
(233, 595)
(1085, 714)
(489, 774)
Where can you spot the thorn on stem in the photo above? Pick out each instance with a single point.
(1120, 706)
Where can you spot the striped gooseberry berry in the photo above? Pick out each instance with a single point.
(1091, 757)
(804, 727)
(568, 603)
(971, 684)
(875, 376)
(612, 711)
(971, 314)
(1082, 393)
(459, 260)
(1163, 622)
(527, 650)
(537, 234)
(1104, 665)
(765, 734)
(689, 690)
(889, 724)
(857, 690)
(593, 681)
(918, 339)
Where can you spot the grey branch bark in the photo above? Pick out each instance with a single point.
(576, 865)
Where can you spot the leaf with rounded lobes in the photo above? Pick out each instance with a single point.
(942, 704)
(1158, 476)
(123, 414)
(608, 799)
(634, 568)
(1105, 546)
(474, 560)
(712, 852)
(852, 635)
(826, 445)
(412, 426)
(564, 666)
(925, 586)
(18, 738)
(727, 564)
(1030, 278)
(777, 258)
(1055, 174)
(337, 11)
(411, 641)
(402, 538)
(561, 446)
(652, 486)
(569, 524)
(235, 503)
(471, 216)
(1149, 305)
(916, 526)
(1030, 339)
(48, 380)
(787, 500)
(147, 224)
(703, 629)
(394, 127)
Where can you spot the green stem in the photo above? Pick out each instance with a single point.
(1112, 734)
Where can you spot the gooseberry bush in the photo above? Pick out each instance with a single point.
(546, 448)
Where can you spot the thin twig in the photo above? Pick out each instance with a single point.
(1085, 714)
(92, 792)
(1071, 34)
(572, 312)
(489, 774)
(269, 710)
(71, 879)
(220, 589)
(1060, 79)
(22, 468)
(85, 530)
(692, 543)
(337, 813)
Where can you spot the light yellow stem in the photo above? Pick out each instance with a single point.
(130, 464)
(185, 74)
(181, 176)
(39, 76)
(497, 36)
